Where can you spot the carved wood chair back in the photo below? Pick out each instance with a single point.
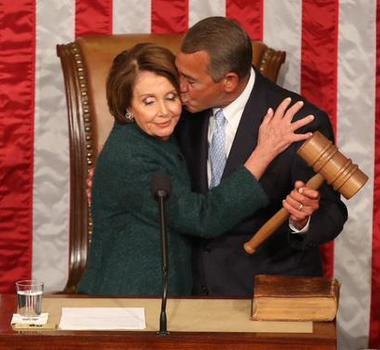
(85, 65)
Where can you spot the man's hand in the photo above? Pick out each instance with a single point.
(301, 203)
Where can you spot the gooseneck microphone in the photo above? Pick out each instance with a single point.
(161, 188)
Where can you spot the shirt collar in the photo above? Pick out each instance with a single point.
(234, 110)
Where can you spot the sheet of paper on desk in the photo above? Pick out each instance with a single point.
(102, 318)
(35, 321)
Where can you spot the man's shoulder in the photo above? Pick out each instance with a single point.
(277, 93)
(272, 94)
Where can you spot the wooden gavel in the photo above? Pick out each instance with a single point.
(331, 166)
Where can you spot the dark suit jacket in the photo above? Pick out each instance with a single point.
(221, 266)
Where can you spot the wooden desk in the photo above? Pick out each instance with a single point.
(323, 338)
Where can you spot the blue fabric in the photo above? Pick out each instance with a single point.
(217, 149)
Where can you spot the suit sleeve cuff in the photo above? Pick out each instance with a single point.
(303, 230)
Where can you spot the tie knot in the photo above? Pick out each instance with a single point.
(219, 117)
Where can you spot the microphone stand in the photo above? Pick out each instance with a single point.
(165, 259)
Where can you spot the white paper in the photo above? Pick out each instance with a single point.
(39, 320)
(102, 318)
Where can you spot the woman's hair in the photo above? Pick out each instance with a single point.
(125, 69)
(228, 45)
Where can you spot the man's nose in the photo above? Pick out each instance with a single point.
(183, 84)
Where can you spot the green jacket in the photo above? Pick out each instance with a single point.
(125, 255)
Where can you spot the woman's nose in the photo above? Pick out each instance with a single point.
(163, 108)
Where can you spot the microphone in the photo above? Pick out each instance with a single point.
(161, 188)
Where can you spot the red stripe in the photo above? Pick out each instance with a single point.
(250, 15)
(374, 335)
(319, 69)
(17, 141)
(170, 16)
(93, 17)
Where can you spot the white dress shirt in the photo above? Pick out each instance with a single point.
(233, 113)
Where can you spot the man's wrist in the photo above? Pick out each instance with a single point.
(299, 230)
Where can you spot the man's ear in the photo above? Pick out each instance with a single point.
(231, 82)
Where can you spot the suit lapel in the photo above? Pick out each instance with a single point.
(203, 183)
(194, 142)
(246, 136)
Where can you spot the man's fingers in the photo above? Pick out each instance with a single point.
(309, 193)
(299, 185)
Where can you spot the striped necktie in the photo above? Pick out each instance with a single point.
(217, 152)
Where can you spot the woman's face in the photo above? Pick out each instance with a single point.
(155, 105)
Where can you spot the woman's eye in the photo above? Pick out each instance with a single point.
(172, 97)
(148, 101)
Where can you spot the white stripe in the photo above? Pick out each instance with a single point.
(55, 24)
(199, 9)
(283, 31)
(356, 125)
(131, 16)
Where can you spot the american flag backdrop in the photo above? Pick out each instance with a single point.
(332, 59)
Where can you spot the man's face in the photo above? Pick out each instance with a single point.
(198, 90)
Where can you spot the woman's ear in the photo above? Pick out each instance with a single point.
(231, 82)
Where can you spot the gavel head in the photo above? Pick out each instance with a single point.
(336, 169)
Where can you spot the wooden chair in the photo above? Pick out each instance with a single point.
(85, 65)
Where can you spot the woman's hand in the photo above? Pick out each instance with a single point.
(276, 134)
(277, 131)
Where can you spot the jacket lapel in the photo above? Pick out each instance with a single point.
(247, 133)
(194, 144)
(203, 183)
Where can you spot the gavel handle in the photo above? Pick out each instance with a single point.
(276, 220)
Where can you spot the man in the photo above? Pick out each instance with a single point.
(216, 74)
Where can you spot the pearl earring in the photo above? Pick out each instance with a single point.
(129, 116)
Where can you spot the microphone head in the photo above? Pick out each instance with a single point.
(161, 185)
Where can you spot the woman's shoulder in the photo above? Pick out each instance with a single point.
(125, 137)
(128, 142)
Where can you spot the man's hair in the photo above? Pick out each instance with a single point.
(228, 45)
(125, 69)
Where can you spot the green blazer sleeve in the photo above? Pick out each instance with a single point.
(193, 213)
(190, 213)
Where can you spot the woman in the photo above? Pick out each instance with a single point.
(125, 259)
